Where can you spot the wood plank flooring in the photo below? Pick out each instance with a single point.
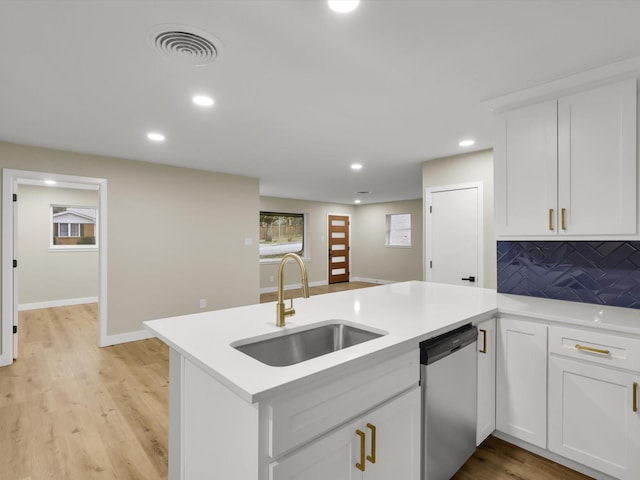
(70, 410)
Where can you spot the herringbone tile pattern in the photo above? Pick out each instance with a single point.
(606, 273)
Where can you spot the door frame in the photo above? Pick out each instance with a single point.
(326, 249)
(10, 180)
(427, 225)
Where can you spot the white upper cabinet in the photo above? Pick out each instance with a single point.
(597, 161)
(568, 167)
(526, 178)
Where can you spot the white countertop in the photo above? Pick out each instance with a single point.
(612, 319)
(410, 312)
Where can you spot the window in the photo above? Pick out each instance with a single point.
(399, 230)
(73, 227)
(281, 233)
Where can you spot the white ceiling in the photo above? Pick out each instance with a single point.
(301, 92)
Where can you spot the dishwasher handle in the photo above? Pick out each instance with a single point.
(439, 347)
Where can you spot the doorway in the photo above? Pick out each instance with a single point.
(339, 248)
(11, 261)
(453, 234)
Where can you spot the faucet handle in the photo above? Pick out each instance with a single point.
(290, 311)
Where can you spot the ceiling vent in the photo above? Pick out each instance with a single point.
(186, 44)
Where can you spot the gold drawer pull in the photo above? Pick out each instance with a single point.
(361, 466)
(563, 215)
(635, 396)
(551, 219)
(592, 350)
(484, 341)
(372, 457)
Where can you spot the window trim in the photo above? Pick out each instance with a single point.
(388, 232)
(305, 238)
(73, 248)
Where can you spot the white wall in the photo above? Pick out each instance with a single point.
(471, 167)
(176, 235)
(46, 276)
(372, 259)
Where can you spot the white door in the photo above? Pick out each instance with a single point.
(454, 235)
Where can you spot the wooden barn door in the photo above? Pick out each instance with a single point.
(338, 248)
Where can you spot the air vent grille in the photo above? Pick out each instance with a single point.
(185, 44)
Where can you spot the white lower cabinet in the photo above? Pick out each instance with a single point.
(521, 380)
(367, 414)
(486, 380)
(593, 403)
(382, 444)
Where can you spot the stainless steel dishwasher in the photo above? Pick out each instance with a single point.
(448, 377)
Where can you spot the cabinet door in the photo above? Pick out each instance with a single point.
(397, 449)
(597, 161)
(591, 417)
(395, 452)
(525, 169)
(486, 380)
(521, 394)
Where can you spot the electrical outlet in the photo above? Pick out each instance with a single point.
(203, 303)
(271, 278)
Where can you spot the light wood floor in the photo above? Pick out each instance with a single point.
(72, 411)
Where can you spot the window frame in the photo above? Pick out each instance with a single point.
(84, 247)
(389, 230)
(303, 253)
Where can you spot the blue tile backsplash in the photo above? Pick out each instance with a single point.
(606, 273)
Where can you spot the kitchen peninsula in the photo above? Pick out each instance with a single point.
(356, 411)
(234, 417)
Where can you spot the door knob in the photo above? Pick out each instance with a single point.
(469, 278)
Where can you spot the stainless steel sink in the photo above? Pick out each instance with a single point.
(298, 346)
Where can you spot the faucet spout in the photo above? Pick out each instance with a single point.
(281, 310)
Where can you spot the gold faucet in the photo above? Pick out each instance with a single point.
(281, 310)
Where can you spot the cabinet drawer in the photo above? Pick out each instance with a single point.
(297, 418)
(604, 348)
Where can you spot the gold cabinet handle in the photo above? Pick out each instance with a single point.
(551, 219)
(361, 466)
(592, 350)
(635, 396)
(372, 457)
(563, 214)
(484, 340)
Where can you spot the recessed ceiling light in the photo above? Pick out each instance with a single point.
(356, 166)
(203, 100)
(466, 143)
(50, 182)
(356, 201)
(343, 6)
(155, 137)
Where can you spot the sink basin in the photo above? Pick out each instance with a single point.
(300, 345)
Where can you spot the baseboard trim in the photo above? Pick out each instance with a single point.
(56, 303)
(126, 338)
(578, 467)
(292, 286)
(371, 280)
